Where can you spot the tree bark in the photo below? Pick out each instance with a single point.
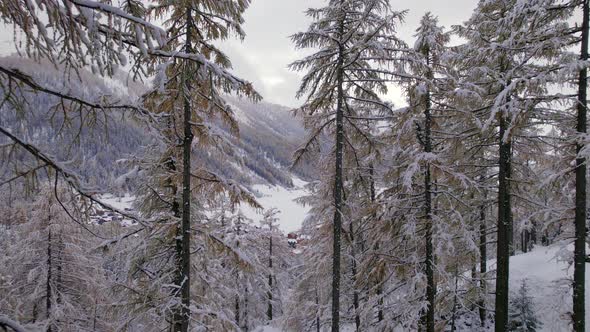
(503, 245)
(269, 309)
(48, 286)
(237, 297)
(483, 256)
(181, 321)
(338, 182)
(431, 287)
(580, 214)
(510, 214)
(355, 296)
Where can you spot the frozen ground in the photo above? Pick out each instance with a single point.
(549, 282)
(123, 203)
(292, 214)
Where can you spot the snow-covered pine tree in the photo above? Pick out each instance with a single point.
(356, 39)
(510, 59)
(430, 46)
(189, 94)
(403, 218)
(522, 316)
(270, 222)
(51, 276)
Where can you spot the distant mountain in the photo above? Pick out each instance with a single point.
(269, 134)
(262, 154)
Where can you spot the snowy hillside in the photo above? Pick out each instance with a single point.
(549, 282)
(290, 217)
(291, 214)
(262, 154)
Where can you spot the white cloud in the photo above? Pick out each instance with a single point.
(267, 49)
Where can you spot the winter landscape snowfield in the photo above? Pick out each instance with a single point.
(548, 278)
(294, 165)
(291, 215)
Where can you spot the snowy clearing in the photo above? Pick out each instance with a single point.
(292, 213)
(290, 218)
(549, 282)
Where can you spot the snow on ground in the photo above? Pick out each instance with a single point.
(549, 283)
(123, 203)
(292, 214)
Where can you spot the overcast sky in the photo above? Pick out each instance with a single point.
(267, 50)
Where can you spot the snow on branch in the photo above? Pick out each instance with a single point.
(7, 323)
(16, 74)
(70, 177)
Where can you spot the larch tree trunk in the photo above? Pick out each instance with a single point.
(181, 321)
(510, 214)
(483, 257)
(431, 287)
(270, 297)
(580, 214)
(338, 182)
(48, 282)
(503, 245)
(355, 296)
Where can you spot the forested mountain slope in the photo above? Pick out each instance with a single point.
(261, 154)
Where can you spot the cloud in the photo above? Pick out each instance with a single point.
(267, 50)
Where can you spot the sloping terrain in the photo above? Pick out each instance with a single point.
(260, 155)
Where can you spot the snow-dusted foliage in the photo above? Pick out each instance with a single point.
(51, 275)
(414, 210)
(522, 315)
(357, 53)
(515, 55)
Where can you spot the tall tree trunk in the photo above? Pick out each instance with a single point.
(269, 310)
(48, 286)
(455, 297)
(237, 297)
(181, 321)
(355, 296)
(237, 310)
(580, 217)
(483, 257)
(431, 287)
(503, 244)
(510, 215)
(373, 194)
(338, 183)
(245, 327)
